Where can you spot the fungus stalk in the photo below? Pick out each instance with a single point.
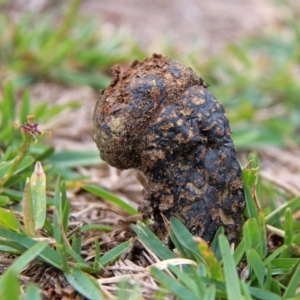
(160, 118)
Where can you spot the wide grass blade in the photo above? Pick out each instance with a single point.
(150, 240)
(9, 283)
(246, 291)
(38, 195)
(84, 284)
(257, 265)
(233, 287)
(215, 243)
(185, 239)
(250, 203)
(263, 294)
(26, 162)
(173, 285)
(187, 280)
(73, 159)
(4, 200)
(9, 286)
(239, 252)
(252, 236)
(114, 253)
(32, 292)
(111, 198)
(288, 227)
(27, 208)
(48, 254)
(28, 256)
(210, 293)
(293, 284)
(9, 220)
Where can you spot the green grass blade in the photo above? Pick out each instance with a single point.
(97, 264)
(173, 285)
(275, 287)
(9, 220)
(76, 244)
(239, 252)
(73, 159)
(4, 200)
(65, 204)
(32, 292)
(250, 174)
(287, 263)
(56, 214)
(288, 227)
(233, 287)
(28, 256)
(100, 227)
(76, 257)
(210, 293)
(27, 210)
(183, 251)
(293, 284)
(186, 279)
(215, 243)
(263, 234)
(111, 198)
(26, 162)
(84, 284)
(185, 238)
(262, 294)
(257, 265)
(38, 195)
(48, 254)
(276, 253)
(114, 253)
(246, 291)
(9, 286)
(152, 241)
(277, 213)
(267, 284)
(250, 203)
(252, 236)
(11, 247)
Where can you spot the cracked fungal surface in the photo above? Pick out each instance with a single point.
(160, 118)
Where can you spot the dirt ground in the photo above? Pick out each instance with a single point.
(185, 23)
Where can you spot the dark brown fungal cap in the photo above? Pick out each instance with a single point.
(159, 117)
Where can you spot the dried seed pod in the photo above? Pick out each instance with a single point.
(159, 117)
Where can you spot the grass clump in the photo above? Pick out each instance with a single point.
(74, 51)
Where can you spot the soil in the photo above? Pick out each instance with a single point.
(185, 23)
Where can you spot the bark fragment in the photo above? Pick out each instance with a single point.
(159, 117)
